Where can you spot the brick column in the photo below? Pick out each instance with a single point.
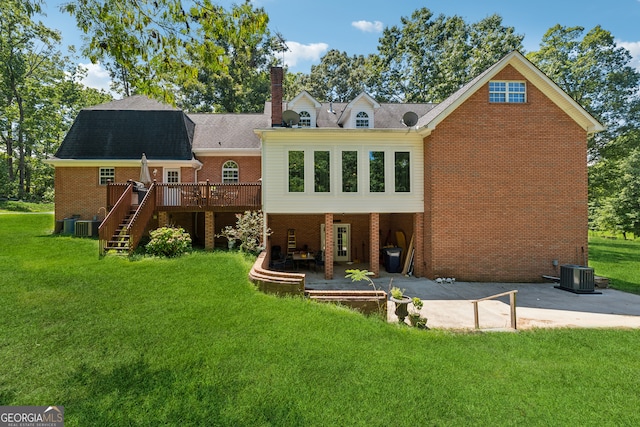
(209, 230)
(163, 219)
(328, 245)
(418, 244)
(374, 243)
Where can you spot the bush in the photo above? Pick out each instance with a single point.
(248, 230)
(169, 242)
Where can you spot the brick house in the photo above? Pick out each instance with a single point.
(490, 184)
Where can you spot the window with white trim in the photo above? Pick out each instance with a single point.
(106, 174)
(362, 120)
(305, 119)
(507, 92)
(230, 172)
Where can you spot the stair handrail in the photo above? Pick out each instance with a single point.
(512, 305)
(141, 217)
(110, 223)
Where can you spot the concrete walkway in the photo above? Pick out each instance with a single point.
(539, 305)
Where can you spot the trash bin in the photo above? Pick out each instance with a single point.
(392, 258)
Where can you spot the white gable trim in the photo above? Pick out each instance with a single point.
(304, 94)
(536, 77)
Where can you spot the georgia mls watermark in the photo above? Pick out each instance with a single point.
(31, 416)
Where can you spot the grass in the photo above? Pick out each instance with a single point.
(189, 341)
(20, 206)
(618, 260)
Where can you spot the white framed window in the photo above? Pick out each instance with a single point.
(105, 175)
(230, 172)
(362, 120)
(172, 176)
(305, 119)
(507, 92)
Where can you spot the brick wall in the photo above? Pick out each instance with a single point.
(78, 192)
(250, 168)
(505, 190)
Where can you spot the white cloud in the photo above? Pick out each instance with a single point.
(368, 26)
(97, 77)
(303, 52)
(634, 49)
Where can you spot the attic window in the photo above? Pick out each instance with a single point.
(106, 175)
(362, 120)
(508, 92)
(230, 172)
(305, 119)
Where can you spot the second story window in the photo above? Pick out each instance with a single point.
(362, 120)
(509, 92)
(230, 172)
(106, 175)
(305, 119)
(296, 171)
(376, 171)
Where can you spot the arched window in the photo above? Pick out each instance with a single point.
(305, 119)
(230, 172)
(362, 120)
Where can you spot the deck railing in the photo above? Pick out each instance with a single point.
(208, 196)
(142, 216)
(121, 208)
(512, 305)
(114, 191)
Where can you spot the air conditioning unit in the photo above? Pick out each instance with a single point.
(577, 278)
(86, 228)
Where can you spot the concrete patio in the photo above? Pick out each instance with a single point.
(539, 305)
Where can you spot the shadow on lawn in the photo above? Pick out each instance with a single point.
(195, 394)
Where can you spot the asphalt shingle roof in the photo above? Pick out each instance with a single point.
(127, 128)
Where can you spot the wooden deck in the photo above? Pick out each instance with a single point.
(190, 197)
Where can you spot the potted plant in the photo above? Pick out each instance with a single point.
(414, 317)
(402, 302)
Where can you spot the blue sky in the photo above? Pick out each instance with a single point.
(311, 28)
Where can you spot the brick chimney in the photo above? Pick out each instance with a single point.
(276, 96)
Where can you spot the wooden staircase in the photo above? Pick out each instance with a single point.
(120, 242)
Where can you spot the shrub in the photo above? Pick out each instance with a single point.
(248, 230)
(169, 242)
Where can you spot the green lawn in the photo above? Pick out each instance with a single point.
(617, 259)
(189, 341)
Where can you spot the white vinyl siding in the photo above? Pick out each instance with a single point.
(353, 196)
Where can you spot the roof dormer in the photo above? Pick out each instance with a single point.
(359, 113)
(307, 107)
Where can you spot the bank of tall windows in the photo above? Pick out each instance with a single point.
(296, 171)
(322, 172)
(305, 119)
(402, 173)
(230, 172)
(106, 175)
(362, 120)
(376, 172)
(507, 92)
(350, 171)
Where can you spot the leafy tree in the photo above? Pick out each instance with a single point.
(339, 77)
(242, 40)
(204, 58)
(620, 212)
(426, 59)
(596, 73)
(38, 100)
